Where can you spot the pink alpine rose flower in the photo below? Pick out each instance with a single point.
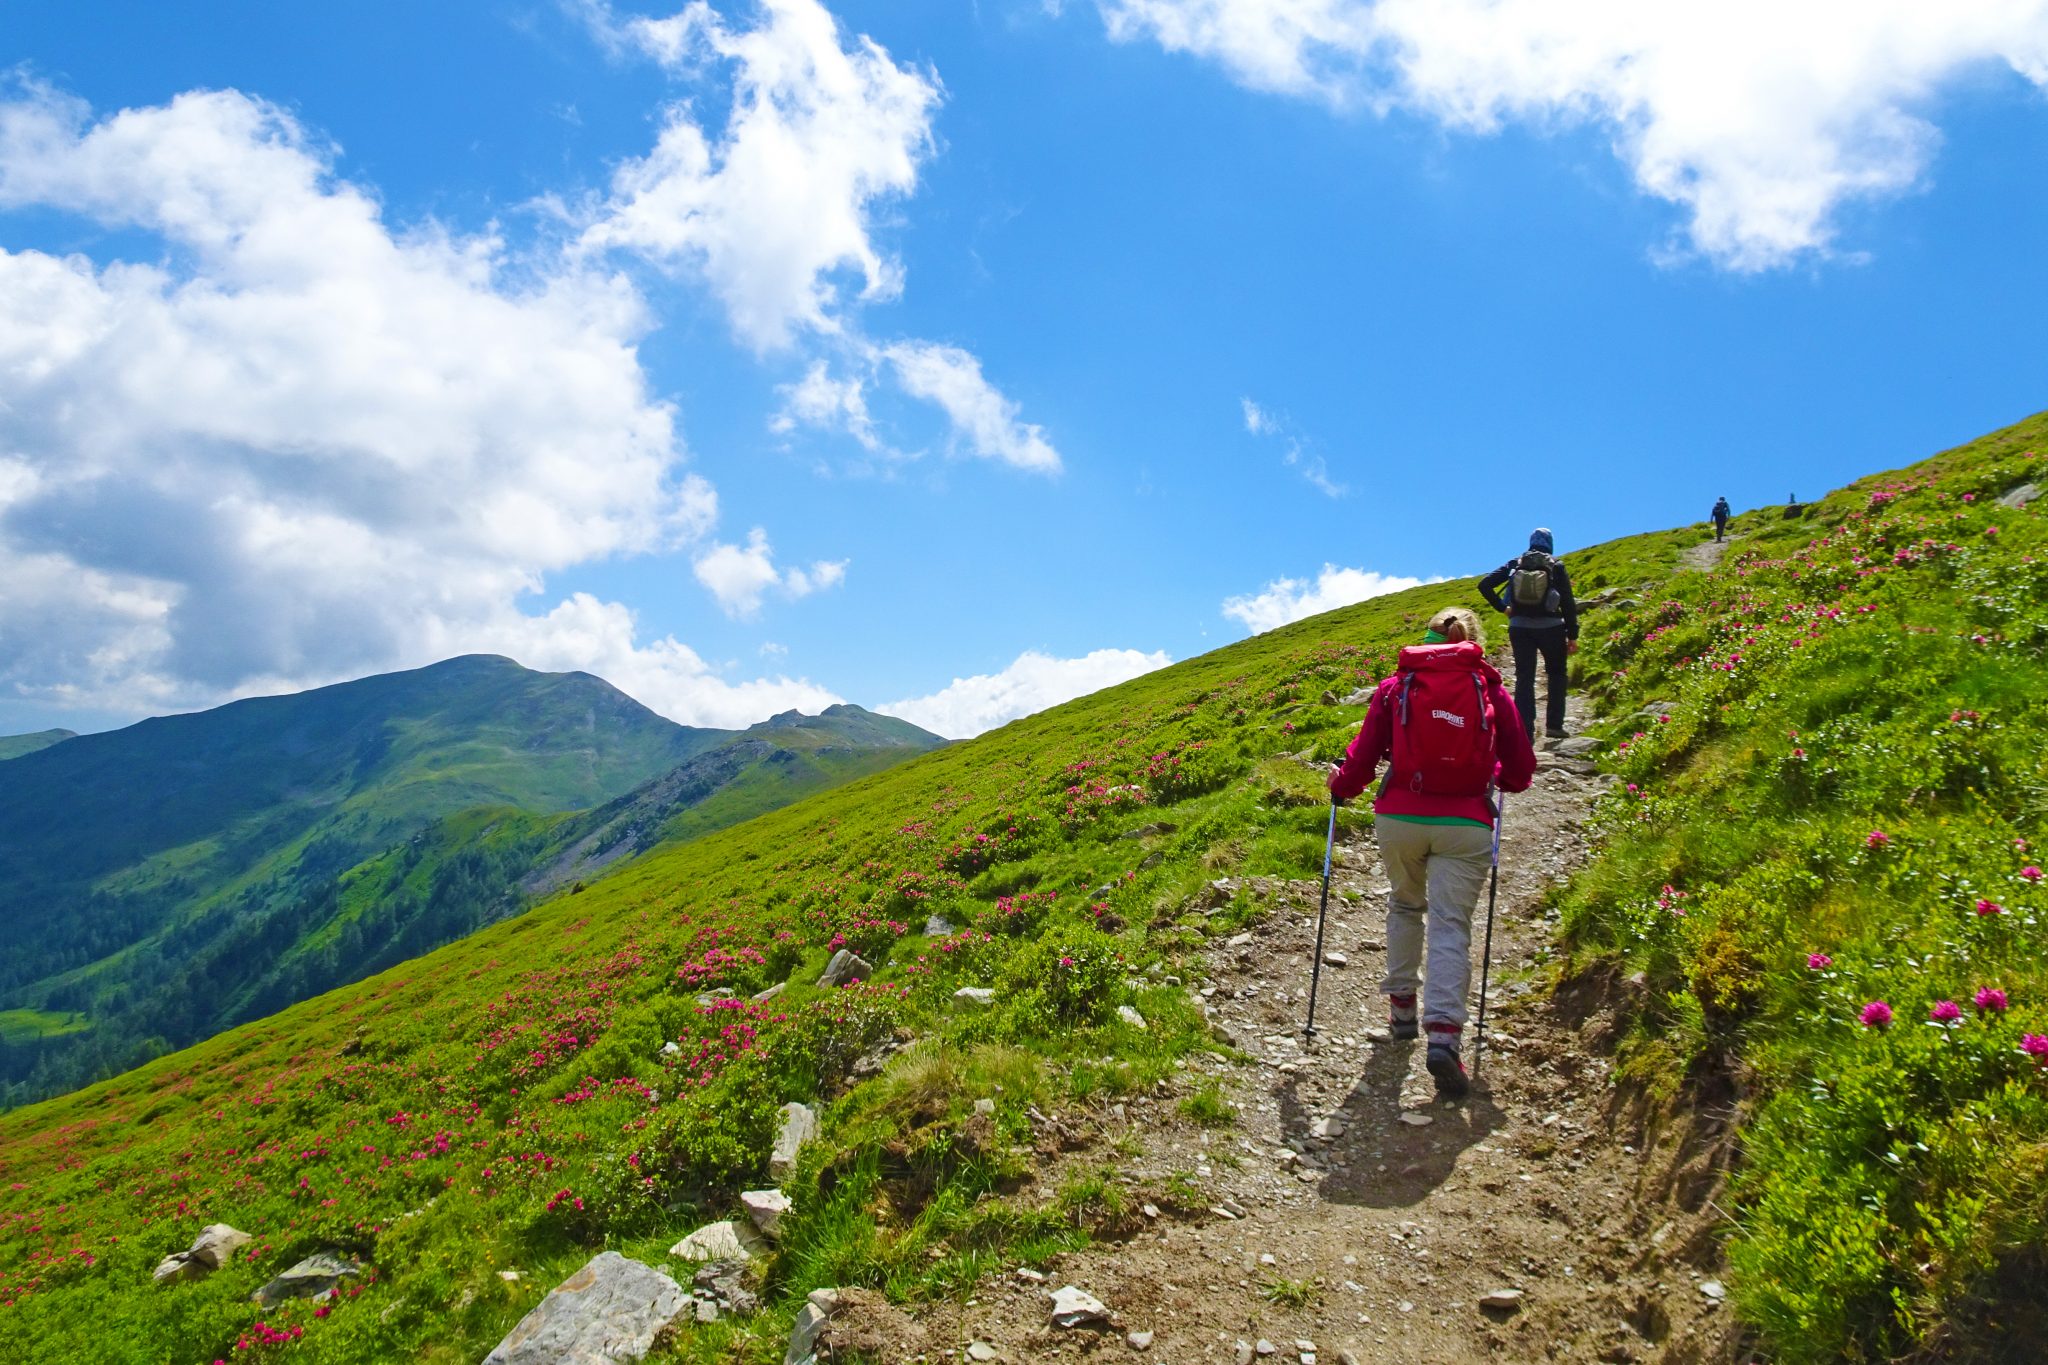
(1818, 962)
(1877, 838)
(1989, 908)
(1876, 1014)
(1990, 1000)
(1945, 1012)
(2031, 873)
(2035, 1045)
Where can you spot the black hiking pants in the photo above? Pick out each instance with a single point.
(1528, 643)
(1720, 525)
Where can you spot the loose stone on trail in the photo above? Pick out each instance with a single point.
(1072, 1307)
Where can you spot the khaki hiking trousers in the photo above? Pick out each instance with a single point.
(1437, 873)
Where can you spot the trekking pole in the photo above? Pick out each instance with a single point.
(1486, 953)
(1315, 973)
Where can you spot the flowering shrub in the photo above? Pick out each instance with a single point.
(1846, 761)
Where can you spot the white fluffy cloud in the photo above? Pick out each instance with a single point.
(777, 207)
(828, 403)
(968, 706)
(776, 210)
(1293, 599)
(666, 675)
(740, 576)
(289, 444)
(983, 420)
(1297, 452)
(1759, 118)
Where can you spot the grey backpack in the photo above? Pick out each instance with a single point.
(1529, 590)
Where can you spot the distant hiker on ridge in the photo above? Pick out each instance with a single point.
(1721, 515)
(1543, 619)
(1451, 734)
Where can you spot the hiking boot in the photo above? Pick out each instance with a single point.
(1449, 1072)
(1554, 732)
(1401, 1019)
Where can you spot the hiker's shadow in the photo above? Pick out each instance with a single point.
(1378, 1161)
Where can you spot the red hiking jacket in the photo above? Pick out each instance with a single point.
(1515, 758)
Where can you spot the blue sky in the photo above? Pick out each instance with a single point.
(958, 357)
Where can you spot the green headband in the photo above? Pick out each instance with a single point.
(1431, 637)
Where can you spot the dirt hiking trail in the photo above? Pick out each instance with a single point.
(1348, 1215)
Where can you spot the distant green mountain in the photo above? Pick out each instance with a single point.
(149, 874)
(14, 746)
(478, 866)
(163, 882)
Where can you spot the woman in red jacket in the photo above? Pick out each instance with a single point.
(1452, 734)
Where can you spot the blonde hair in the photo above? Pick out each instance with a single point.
(1459, 623)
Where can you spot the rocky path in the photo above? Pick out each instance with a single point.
(1705, 555)
(1351, 1215)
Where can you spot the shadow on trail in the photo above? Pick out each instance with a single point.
(1417, 1159)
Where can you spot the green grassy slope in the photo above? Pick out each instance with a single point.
(1825, 863)
(14, 746)
(147, 874)
(506, 1101)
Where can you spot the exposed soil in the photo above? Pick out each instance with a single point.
(1352, 1213)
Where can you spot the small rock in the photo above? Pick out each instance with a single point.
(216, 1245)
(723, 1241)
(1239, 941)
(845, 968)
(1073, 1307)
(1130, 1016)
(1713, 1289)
(1025, 1272)
(2021, 496)
(980, 1350)
(765, 1208)
(1138, 1341)
(1245, 1353)
(1265, 1347)
(179, 1265)
(984, 1105)
(975, 995)
(938, 926)
(318, 1273)
(724, 1284)
(799, 1125)
(1502, 1300)
(1415, 1120)
(1150, 1210)
(671, 1048)
(1579, 747)
(1333, 958)
(763, 997)
(1329, 1129)
(609, 1311)
(509, 1276)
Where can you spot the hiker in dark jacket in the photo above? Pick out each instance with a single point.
(1721, 515)
(1543, 620)
(1436, 844)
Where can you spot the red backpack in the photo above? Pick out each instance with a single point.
(1443, 724)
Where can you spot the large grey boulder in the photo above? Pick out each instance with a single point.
(845, 968)
(799, 1125)
(607, 1313)
(316, 1275)
(2021, 496)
